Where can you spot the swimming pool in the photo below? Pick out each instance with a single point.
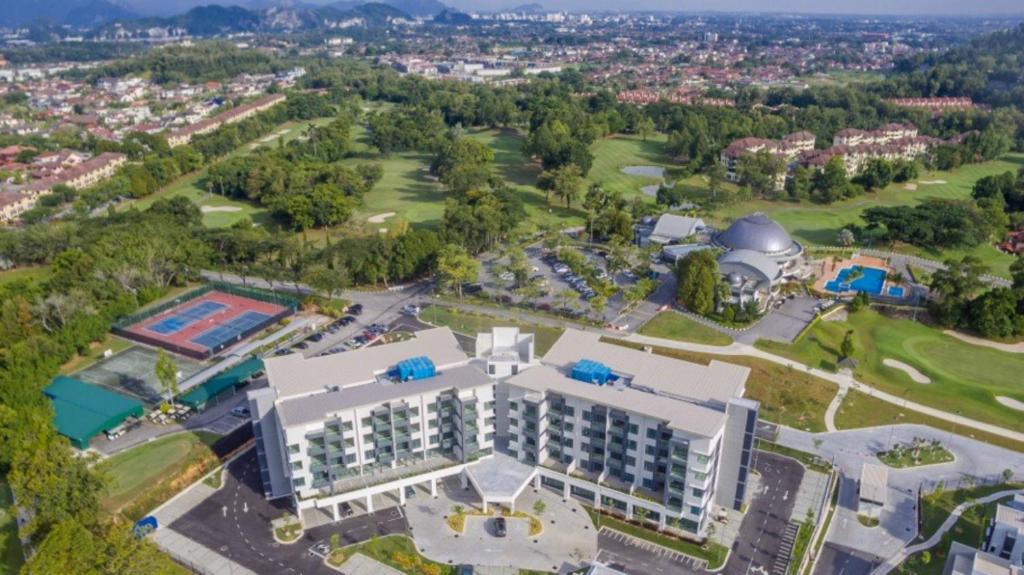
(895, 291)
(870, 280)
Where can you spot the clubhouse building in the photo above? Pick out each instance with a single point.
(611, 426)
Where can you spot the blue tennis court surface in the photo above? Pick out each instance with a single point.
(186, 317)
(230, 329)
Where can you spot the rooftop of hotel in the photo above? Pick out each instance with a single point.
(715, 383)
(314, 408)
(295, 376)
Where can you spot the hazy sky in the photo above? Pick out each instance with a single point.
(809, 6)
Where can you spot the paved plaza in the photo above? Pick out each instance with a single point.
(568, 538)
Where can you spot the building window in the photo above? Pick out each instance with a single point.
(293, 448)
(513, 406)
(631, 445)
(299, 482)
(414, 410)
(431, 408)
(346, 426)
(649, 449)
(296, 465)
(652, 433)
(694, 510)
(434, 438)
(488, 437)
(648, 466)
(491, 369)
(368, 454)
(569, 411)
(634, 428)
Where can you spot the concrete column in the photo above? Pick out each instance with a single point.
(629, 511)
(536, 481)
(401, 496)
(369, 504)
(485, 505)
(334, 511)
(512, 506)
(565, 490)
(661, 521)
(433, 487)
(597, 500)
(464, 480)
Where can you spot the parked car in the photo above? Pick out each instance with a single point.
(410, 310)
(302, 345)
(318, 336)
(240, 411)
(506, 276)
(347, 320)
(472, 288)
(500, 529)
(464, 570)
(355, 309)
(561, 268)
(346, 510)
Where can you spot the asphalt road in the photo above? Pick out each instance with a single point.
(839, 560)
(758, 545)
(235, 522)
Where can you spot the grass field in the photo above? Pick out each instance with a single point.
(470, 324)
(145, 476)
(226, 211)
(11, 557)
(671, 324)
(30, 273)
(399, 552)
(969, 529)
(819, 224)
(965, 378)
(862, 410)
(788, 397)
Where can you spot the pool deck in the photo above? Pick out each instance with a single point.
(830, 268)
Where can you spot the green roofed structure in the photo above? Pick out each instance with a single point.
(223, 383)
(83, 411)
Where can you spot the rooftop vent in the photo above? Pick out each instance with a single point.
(590, 371)
(415, 368)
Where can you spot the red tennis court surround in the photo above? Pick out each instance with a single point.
(205, 325)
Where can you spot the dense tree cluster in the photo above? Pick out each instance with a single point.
(934, 223)
(961, 300)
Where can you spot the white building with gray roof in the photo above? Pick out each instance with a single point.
(618, 426)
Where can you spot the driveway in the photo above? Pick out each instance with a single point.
(235, 522)
(783, 324)
(568, 537)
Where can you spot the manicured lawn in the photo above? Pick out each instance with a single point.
(27, 273)
(788, 397)
(862, 410)
(819, 224)
(969, 529)
(671, 324)
(11, 557)
(616, 152)
(964, 377)
(145, 476)
(399, 552)
(714, 554)
(470, 324)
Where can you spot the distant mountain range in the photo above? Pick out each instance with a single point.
(200, 19)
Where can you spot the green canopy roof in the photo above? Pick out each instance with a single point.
(198, 396)
(83, 410)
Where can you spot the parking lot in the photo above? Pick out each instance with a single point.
(635, 557)
(559, 288)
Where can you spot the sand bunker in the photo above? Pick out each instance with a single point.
(1007, 347)
(380, 218)
(1010, 402)
(910, 187)
(910, 370)
(645, 171)
(211, 209)
(931, 182)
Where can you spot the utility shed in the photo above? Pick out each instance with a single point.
(221, 384)
(874, 484)
(416, 368)
(590, 371)
(83, 411)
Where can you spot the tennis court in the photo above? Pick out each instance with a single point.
(204, 324)
(185, 317)
(133, 372)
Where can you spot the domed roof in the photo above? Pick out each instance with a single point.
(756, 232)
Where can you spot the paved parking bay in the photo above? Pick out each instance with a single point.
(235, 523)
(637, 557)
(783, 324)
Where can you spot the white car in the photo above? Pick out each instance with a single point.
(507, 276)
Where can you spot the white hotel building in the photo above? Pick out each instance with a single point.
(668, 436)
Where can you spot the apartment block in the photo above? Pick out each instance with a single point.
(626, 429)
(348, 426)
(185, 134)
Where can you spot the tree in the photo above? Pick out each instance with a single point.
(564, 182)
(456, 267)
(1017, 272)
(644, 127)
(846, 348)
(539, 506)
(167, 374)
(698, 277)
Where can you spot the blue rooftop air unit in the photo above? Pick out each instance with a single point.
(416, 368)
(590, 371)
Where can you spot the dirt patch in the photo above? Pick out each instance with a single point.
(910, 370)
(1007, 347)
(380, 218)
(1010, 402)
(910, 187)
